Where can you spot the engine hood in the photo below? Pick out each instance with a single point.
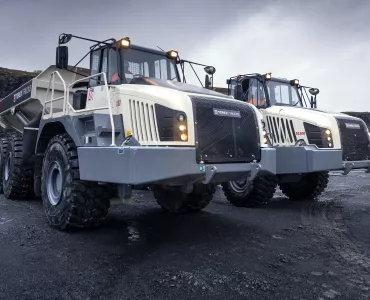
(321, 118)
(179, 86)
(311, 111)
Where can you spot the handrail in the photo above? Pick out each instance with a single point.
(108, 99)
(52, 83)
(86, 109)
(66, 102)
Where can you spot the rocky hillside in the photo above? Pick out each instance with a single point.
(10, 80)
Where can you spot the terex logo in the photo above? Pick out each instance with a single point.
(226, 113)
(353, 126)
(300, 133)
(22, 92)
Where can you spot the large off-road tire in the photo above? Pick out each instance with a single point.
(248, 193)
(309, 187)
(68, 201)
(175, 199)
(3, 149)
(17, 180)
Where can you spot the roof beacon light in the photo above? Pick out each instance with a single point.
(125, 42)
(294, 82)
(172, 54)
(268, 76)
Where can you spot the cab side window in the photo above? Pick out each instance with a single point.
(94, 67)
(256, 93)
(98, 64)
(104, 67)
(112, 75)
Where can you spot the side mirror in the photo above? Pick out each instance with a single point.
(210, 70)
(62, 57)
(313, 91)
(207, 82)
(64, 38)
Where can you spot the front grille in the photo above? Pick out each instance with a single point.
(225, 131)
(143, 121)
(282, 130)
(355, 141)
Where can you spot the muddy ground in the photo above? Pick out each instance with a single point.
(285, 250)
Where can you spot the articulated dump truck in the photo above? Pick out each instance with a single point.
(79, 138)
(309, 142)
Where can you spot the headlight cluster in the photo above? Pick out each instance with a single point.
(328, 137)
(265, 139)
(265, 134)
(182, 129)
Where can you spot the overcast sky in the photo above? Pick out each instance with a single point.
(324, 43)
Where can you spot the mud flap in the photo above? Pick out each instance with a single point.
(29, 144)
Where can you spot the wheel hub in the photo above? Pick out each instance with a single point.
(240, 185)
(54, 183)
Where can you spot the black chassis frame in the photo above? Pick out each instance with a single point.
(302, 90)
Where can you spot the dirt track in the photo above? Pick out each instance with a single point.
(285, 250)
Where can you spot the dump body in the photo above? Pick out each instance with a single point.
(27, 102)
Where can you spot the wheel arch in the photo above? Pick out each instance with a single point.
(50, 128)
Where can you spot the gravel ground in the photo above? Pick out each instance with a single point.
(285, 250)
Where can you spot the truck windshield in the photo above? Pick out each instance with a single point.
(137, 63)
(283, 93)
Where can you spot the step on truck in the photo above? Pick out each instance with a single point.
(309, 142)
(79, 138)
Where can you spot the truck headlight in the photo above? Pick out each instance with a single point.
(181, 118)
(328, 138)
(182, 127)
(265, 138)
(184, 137)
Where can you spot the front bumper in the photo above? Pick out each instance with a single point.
(306, 159)
(170, 165)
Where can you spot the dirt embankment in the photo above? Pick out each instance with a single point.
(10, 80)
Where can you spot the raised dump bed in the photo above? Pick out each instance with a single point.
(26, 103)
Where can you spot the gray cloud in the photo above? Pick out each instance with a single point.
(323, 43)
